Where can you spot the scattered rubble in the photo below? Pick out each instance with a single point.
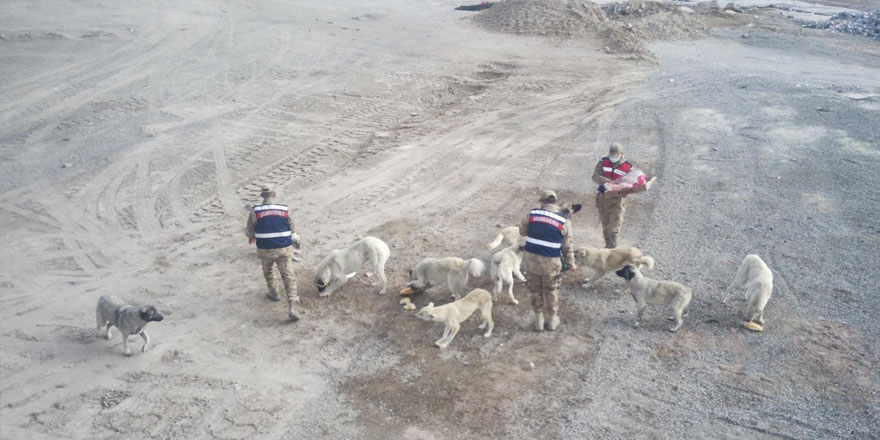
(866, 23)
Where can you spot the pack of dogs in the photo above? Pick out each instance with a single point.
(334, 271)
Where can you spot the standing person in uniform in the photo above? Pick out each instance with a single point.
(270, 226)
(611, 204)
(548, 239)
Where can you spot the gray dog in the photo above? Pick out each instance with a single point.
(112, 311)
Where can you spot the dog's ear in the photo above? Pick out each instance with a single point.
(575, 208)
(430, 305)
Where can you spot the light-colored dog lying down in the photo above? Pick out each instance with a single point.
(454, 313)
(505, 266)
(452, 271)
(332, 272)
(603, 261)
(754, 276)
(646, 291)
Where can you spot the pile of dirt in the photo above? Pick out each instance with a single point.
(634, 22)
(564, 18)
(866, 23)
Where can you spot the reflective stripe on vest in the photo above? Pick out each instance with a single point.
(609, 171)
(545, 233)
(272, 230)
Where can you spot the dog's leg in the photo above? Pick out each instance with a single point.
(510, 292)
(487, 319)
(596, 276)
(518, 274)
(451, 336)
(125, 347)
(380, 271)
(639, 312)
(499, 285)
(439, 342)
(678, 321)
(146, 339)
(454, 286)
(107, 335)
(101, 321)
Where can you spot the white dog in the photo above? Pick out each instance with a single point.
(505, 266)
(332, 270)
(454, 313)
(754, 276)
(453, 271)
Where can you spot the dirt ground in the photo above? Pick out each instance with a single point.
(134, 137)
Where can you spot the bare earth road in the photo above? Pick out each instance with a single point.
(409, 122)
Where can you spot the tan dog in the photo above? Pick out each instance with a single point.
(603, 261)
(647, 291)
(452, 271)
(754, 276)
(505, 266)
(454, 313)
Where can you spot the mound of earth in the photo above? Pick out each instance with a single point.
(543, 17)
(867, 23)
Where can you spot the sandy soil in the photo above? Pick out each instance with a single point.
(134, 135)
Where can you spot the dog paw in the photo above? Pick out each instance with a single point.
(585, 285)
(636, 325)
(515, 302)
(487, 334)
(674, 329)
(382, 292)
(127, 354)
(323, 294)
(144, 349)
(481, 326)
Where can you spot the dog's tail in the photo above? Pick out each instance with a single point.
(498, 238)
(476, 267)
(645, 260)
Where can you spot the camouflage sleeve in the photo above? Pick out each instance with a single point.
(251, 224)
(292, 227)
(567, 245)
(597, 174)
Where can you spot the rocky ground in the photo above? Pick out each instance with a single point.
(133, 137)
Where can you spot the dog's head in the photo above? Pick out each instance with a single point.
(581, 252)
(417, 285)
(627, 272)
(322, 278)
(427, 313)
(567, 209)
(149, 313)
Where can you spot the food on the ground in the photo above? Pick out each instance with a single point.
(754, 326)
(405, 300)
(410, 306)
(407, 291)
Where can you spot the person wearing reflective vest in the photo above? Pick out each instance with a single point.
(269, 226)
(611, 204)
(548, 241)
